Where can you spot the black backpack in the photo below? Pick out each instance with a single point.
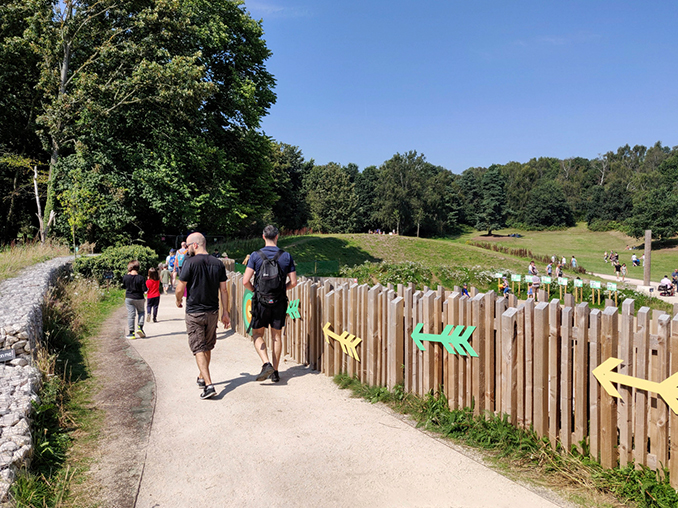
(270, 280)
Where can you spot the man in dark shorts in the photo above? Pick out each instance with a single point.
(203, 277)
(273, 316)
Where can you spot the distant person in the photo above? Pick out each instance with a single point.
(270, 266)
(216, 253)
(573, 262)
(623, 272)
(464, 290)
(617, 269)
(674, 277)
(606, 257)
(563, 262)
(634, 260)
(559, 270)
(172, 267)
(182, 254)
(152, 295)
(165, 278)
(666, 281)
(549, 269)
(530, 291)
(135, 286)
(532, 268)
(204, 279)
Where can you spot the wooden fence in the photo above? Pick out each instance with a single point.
(534, 363)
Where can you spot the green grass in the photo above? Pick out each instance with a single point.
(521, 452)
(73, 312)
(588, 247)
(15, 258)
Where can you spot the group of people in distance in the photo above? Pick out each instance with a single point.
(620, 269)
(201, 278)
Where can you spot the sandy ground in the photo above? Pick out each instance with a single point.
(302, 442)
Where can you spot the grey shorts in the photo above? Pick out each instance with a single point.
(202, 331)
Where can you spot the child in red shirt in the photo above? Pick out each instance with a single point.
(153, 294)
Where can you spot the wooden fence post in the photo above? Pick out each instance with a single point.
(508, 368)
(594, 387)
(408, 342)
(520, 366)
(371, 336)
(395, 342)
(478, 344)
(673, 419)
(661, 374)
(488, 359)
(540, 359)
(566, 379)
(608, 409)
(452, 373)
(554, 364)
(581, 353)
(625, 416)
(642, 347)
(529, 361)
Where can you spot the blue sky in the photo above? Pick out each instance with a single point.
(470, 83)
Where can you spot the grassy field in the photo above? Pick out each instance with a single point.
(13, 259)
(587, 246)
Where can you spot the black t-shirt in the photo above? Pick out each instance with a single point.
(134, 285)
(202, 274)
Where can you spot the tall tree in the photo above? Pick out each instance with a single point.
(494, 207)
(332, 200)
(289, 168)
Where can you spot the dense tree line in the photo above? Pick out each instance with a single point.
(632, 189)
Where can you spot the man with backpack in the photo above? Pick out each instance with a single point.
(270, 267)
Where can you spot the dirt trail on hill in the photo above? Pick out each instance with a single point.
(302, 442)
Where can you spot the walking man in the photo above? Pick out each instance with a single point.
(272, 266)
(204, 278)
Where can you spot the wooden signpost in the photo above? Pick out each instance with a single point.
(547, 282)
(612, 286)
(515, 278)
(578, 290)
(562, 281)
(595, 286)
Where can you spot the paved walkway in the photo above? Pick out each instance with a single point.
(300, 443)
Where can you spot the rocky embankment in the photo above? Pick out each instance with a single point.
(21, 301)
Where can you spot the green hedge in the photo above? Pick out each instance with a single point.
(111, 264)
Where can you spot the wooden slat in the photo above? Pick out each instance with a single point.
(429, 354)
(338, 327)
(488, 358)
(508, 369)
(581, 375)
(468, 363)
(500, 306)
(608, 404)
(529, 361)
(452, 379)
(372, 332)
(408, 342)
(463, 395)
(477, 342)
(594, 386)
(416, 306)
(673, 417)
(438, 350)
(663, 363)
(566, 359)
(625, 416)
(554, 363)
(540, 361)
(395, 342)
(520, 366)
(328, 364)
(641, 344)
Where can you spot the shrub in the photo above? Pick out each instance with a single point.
(111, 265)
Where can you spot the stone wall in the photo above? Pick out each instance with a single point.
(21, 301)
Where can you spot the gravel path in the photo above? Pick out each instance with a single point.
(300, 443)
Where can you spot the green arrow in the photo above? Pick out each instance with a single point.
(457, 338)
(293, 309)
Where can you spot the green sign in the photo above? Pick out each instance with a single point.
(528, 278)
(247, 308)
(293, 309)
(612, 286)
(546, 280)
(578, 283)
(594, 284)
(515, 277)
(562, 281)
(451, 336)
(498, 275)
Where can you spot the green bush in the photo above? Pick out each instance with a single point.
(111, 264)
(599, 225)
(394, 273)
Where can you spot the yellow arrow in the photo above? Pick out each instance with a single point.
(348, 342)
(668, 388)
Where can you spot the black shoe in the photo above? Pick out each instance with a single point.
(266, 371)
(275, 377)
(201, 382)
(208, 392)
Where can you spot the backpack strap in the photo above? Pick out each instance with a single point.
(262, 255)
(278, 254)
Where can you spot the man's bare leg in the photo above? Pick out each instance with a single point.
(276, 347)
(260, 344)
(203, 360)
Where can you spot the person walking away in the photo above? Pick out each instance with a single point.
(182, 254)
(549, 269)
(134, 285)
(204, 279)
(152, 295)
(623, 272)
(172, 266)
(271, 266)
(605, 258)
(165, 278)
(559, 270)
(573, 262)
